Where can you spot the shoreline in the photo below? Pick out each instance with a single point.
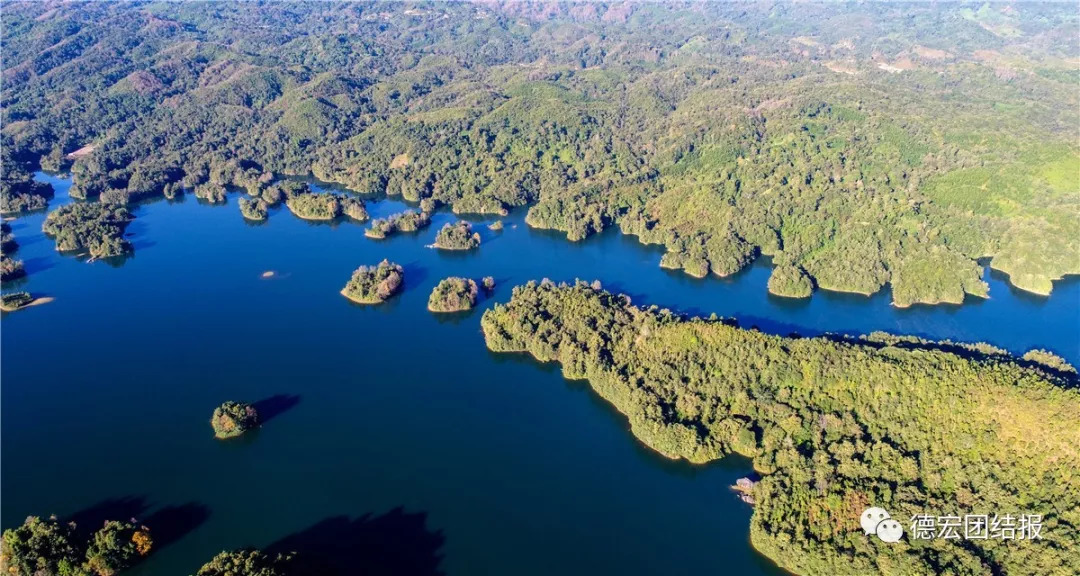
(360, 301)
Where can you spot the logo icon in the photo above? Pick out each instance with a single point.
(877, 521)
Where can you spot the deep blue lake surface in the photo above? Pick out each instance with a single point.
(400, 438)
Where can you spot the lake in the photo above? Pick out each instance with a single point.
(395, 440)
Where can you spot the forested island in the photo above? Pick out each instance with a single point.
(407, 221)
(11, 301)
(454, 294)
(833, 425)
(862, 144)
(325, 206)
(457, 236)
(10, 268)
(374, 284)
(232, 419)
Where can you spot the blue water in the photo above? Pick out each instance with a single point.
(400, 439)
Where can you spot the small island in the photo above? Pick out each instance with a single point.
(253, 208)
(94, 227)
(790, 281)
(374, 284)
(457, 236)
(10, 268)
(232, 419)
(408, 221)
(312, 206)
(453, 294)
(489, 284)
(15, 300)
(496, 226)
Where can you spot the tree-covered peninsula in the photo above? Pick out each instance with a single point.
(454, 294)
(375, 284)
(91, 227)
(19, 192)
(833, 425)
(865, 144)
(457, 236)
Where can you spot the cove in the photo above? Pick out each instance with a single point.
(393, 430)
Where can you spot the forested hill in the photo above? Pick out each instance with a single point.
(833, 426)
(857, 144)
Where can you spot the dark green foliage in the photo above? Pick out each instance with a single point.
(208, 191)
(247, 562)
(41, 548)
(253, 208)
(408, 221)
(233, 419)
(833, 426)
(457, 236)
(11, 269)
(311, 206)
(15, 300)
(7, 239)
(453, 294)
(19, 192)
(790, 281)
(865, 144)
(374, 284)
(89, 226)
(118, 545)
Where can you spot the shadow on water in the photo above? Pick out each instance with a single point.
(171, 523)
(168, 524)
(397, 543)
(38, 264)
(124, 508)
(415, 273)
(274, 406)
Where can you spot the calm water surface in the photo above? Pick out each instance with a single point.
(396, 440)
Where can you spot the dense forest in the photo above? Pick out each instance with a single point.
(833, 425)
(858, 144)
(49, 547)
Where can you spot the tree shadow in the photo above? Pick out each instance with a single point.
(171, 523)
(274, 406)
(415, 273)
(88, 520)
(167, 525)
(396, 543)
(38, 264)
